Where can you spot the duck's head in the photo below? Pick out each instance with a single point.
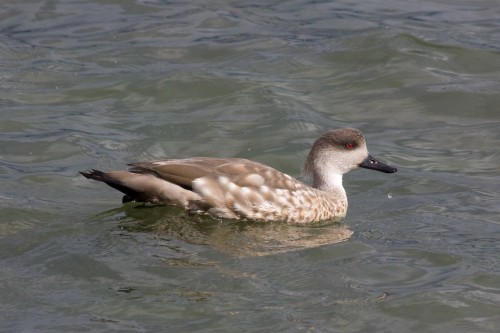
(339, 151)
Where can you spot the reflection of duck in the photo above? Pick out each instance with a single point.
(233, 237)
(237, 188)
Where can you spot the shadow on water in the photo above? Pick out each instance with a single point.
(238, 238)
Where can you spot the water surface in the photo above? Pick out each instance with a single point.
(98, 84)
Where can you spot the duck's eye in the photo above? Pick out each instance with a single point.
(349, 145)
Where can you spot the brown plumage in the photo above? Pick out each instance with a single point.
(239, 188)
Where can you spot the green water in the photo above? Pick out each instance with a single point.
(98, 84)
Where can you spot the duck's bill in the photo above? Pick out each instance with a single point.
(372, 163)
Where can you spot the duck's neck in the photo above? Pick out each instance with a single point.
(330, 182)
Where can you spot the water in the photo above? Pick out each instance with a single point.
(103, 83)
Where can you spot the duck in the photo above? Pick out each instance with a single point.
(238, 188)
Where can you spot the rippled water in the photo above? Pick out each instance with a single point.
(102, 83)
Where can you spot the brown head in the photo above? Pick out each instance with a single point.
(337, 152)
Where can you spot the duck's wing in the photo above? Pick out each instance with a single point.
(247, 189)
(246, 173)
(241, 172)
(180, 171)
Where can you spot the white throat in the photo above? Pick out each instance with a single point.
(331, 182)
